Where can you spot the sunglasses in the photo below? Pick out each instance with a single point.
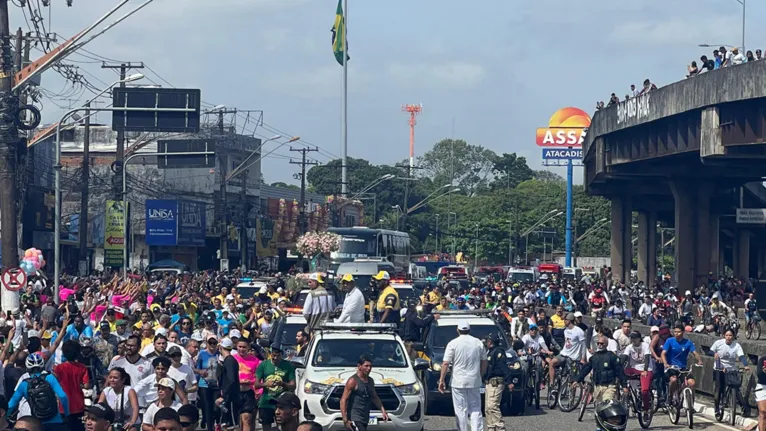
(601, 344)
(185, 424)
(213, 342)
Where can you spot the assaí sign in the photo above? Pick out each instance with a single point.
(566, 128)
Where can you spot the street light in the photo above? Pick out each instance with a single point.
(385, 177)
(246, 163)
(426, 200)
(57, 181)
(550, 215)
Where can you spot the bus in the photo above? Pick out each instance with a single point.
(363, 242)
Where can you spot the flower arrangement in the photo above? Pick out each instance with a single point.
(313, 243)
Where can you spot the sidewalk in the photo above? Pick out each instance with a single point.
(741, 422)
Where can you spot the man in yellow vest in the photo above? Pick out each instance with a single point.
(388, 305)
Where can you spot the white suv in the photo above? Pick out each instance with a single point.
(332, 358)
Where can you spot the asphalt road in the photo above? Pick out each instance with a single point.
(555, 420)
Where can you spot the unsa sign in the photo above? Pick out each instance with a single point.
(635, 108)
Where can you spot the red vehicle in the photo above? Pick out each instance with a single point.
(453, 271)
(550, 268)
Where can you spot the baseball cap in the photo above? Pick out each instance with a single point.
(167, 382)
(227, 344)
(104, 324)
(175, 350)
(121, 322)
(688, 292)
(463, 326)
(532, 326)
(654, 329)
(382, 275)
(33, 333)
(599, 320)
(493, 338)
(570, 316)
(347, 277)
(316, 277)
(161, 331)
(47, 335)
(287, 399)
(578, 314)
(234, 333)
(635, 334)
(102, 411)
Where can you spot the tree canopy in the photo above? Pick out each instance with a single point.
(501, 204)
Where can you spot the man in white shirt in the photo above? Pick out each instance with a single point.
(573, 349)
(353, 305)
(520, 325)
(646, 308)
(468, 358)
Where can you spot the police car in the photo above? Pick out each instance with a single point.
(444, 330)
(332, 359)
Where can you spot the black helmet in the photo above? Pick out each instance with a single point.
(494, 338)
(611, 416)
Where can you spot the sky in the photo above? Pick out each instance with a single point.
(489, 71)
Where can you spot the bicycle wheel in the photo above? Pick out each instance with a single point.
(689, 404)
(536, 389)
(757, 330)
(529, 391)
(570, 397)
(586, 396)
(748, 331)
(645, 413)
(674, 409)
(733, 404)
(553, 399)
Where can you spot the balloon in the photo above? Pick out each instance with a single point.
(28, 253)
(42, 264)
(37, 265)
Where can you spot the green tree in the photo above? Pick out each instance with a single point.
(285, 185)
(544, 175)
(471, 166)
(510, 170)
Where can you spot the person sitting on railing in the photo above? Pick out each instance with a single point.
(737, 57)
(692, 70)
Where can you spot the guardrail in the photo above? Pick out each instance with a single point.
(703, 376)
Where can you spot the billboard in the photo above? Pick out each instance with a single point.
(161, 222)
(114, 234)
(265, 244)
(191, 223)
(562, 153)
(566, 128)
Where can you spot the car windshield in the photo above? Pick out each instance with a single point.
(346, 353)
(406, 294)
(444, 334)
(300, 300)
(248, 292)
(522, 276)
(289, 330)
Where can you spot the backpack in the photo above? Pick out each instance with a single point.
(42, 400)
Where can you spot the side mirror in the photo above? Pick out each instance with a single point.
(420, 364)
(418, 347)
(298, 363)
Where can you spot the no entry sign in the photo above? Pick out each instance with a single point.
(14, 279)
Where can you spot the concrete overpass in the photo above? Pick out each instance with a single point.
(688, 154)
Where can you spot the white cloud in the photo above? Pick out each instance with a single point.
(447, 75)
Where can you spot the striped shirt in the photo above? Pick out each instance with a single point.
(318, 306)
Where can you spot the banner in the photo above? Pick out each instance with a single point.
(566, 128)
(266, 244)
(161, 222)
(114, 234)
(191, 223)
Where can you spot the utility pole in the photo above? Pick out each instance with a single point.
(303, 163)
(120, 150)
(83, 230)
(243, 222)
(223, 161)
(405, 208)
(414, 111)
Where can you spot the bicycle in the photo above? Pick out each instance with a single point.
(535, 376)
(635, 399)
(567, 397)
(753, 328)
(587, 398)
(681, 398)
(729, 397)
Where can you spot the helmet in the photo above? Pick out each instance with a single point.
(34, 360)
(85, 341)
(611, 416)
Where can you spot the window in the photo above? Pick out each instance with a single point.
(346, 353)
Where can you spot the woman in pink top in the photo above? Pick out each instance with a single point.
(247, 365)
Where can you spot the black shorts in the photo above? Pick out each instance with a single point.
(266, 416)
(670, 372)
(247, 403)
(361, 426)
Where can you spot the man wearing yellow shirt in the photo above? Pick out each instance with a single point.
(558, 325)
(147, 336)
(443, 305)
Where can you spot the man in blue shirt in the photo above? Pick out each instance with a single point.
(35, 364)
(78, 328)
(675, 353)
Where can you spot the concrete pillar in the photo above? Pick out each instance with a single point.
(685, 196)
(703, 246)
(621, 255)
(647, 247)
(761, 262)
(715, 244)
(743, 253)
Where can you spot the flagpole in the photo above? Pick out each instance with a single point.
(344, 126)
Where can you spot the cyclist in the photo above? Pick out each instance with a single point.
(640, 363)
(675, 353)
(607, 369)
(574, 347)
(597, 302)
(43, 405)
(751, 309)
(535, 343)
(726, 352)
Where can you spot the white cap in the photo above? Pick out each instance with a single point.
(578, 314)
(166, 382)
(161, 331)
(463, 326)
(33, 333)
(227, 344)
(654, 329)
(234, 333)
(688, 292)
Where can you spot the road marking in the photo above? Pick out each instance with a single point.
(704, 419)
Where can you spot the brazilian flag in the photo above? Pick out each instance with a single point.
(339, 35)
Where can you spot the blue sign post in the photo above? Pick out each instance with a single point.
(161, 222)
(568, 155)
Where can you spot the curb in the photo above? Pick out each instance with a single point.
(740, 422)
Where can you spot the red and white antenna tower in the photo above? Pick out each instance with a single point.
(413, 110)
